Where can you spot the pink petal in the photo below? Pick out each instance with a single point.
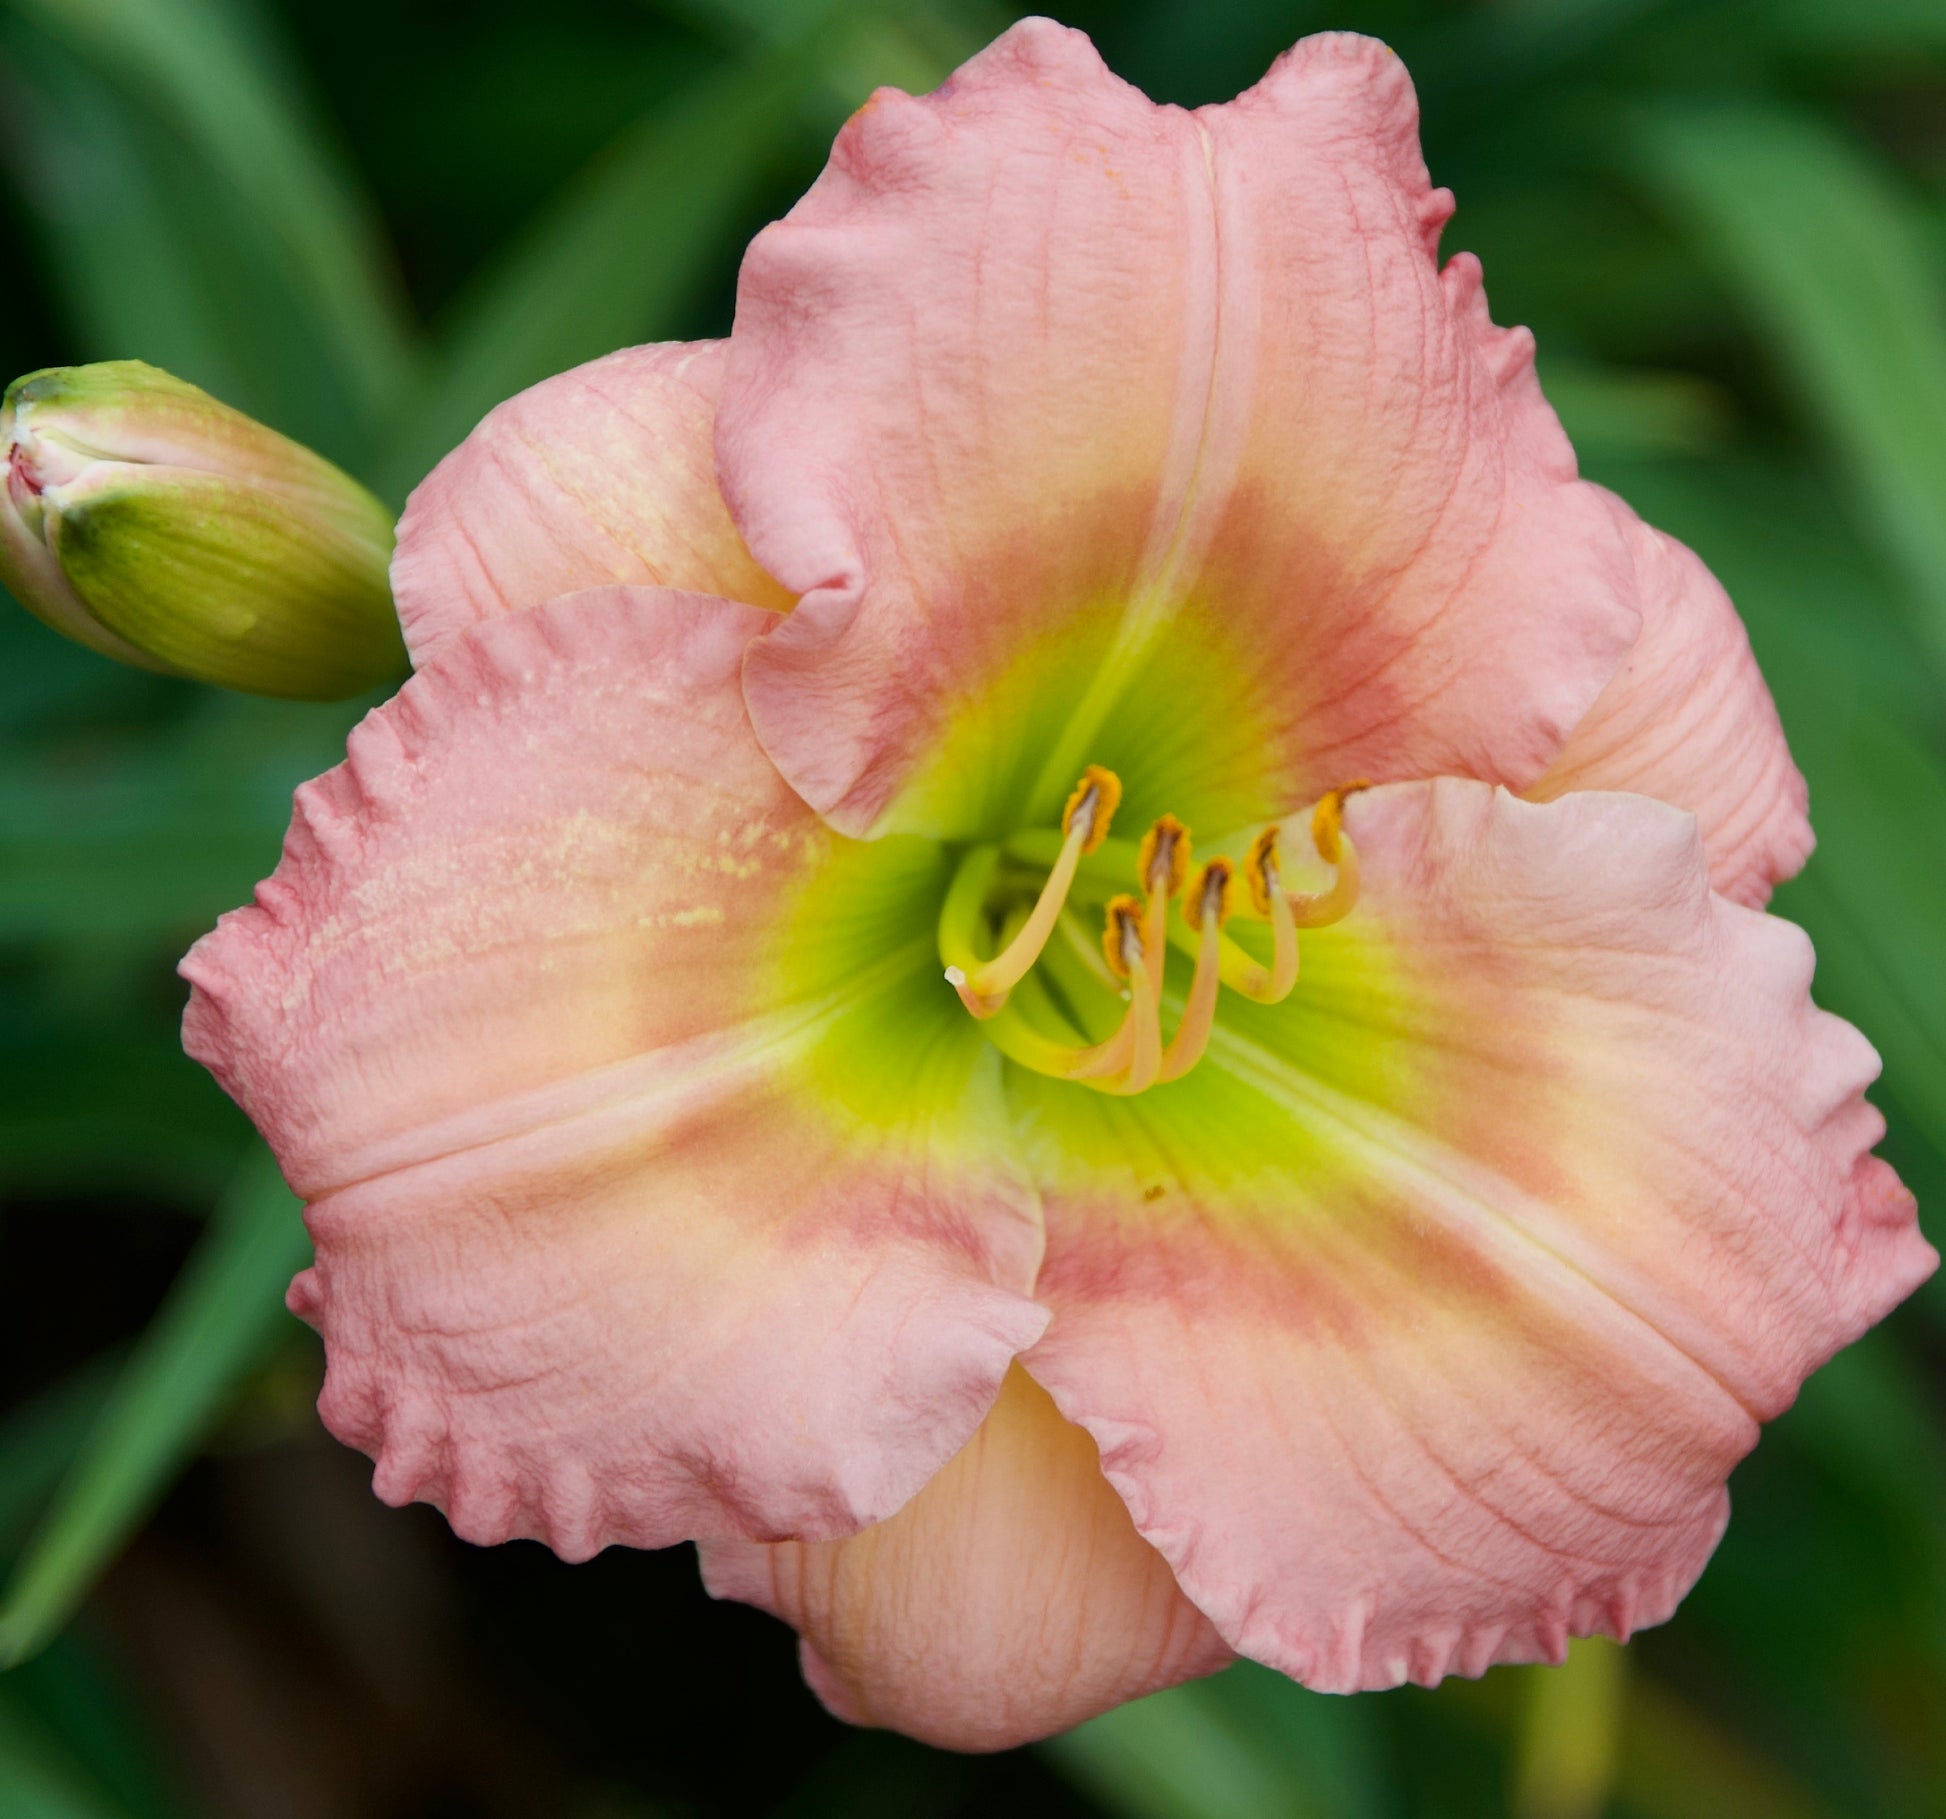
(1687, 718)
(603, 474)
(1039, 367)
(1429, 1335)
(594, 1264)
(1010, 1599)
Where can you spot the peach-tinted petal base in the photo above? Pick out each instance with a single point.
(1010, 1599)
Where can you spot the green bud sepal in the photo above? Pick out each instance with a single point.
(150, 522)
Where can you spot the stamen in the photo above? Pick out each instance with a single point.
(1043, 1029)
(1163, 862)
(1141, 938)
(1121, 946)
(1319, 909)
(1130, 1059)
(1260, 870)
(983, 986)
(1096, 798)
(1272, 984)
(1210, 894)
(1289, 911)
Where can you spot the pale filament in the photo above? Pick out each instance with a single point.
(1142, 946)
(1270, 984)
(1319, 909)
(1145, 1017)
(1135, 941)
(1130, 1059)
(1135, 945)
(1289, 911)
(983, 987)
(1199, 1013)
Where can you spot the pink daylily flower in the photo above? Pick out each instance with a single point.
(1037, 1340)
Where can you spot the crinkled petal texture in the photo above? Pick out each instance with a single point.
(1010, 1599)
(1095, 431)
(604, 1250)
(603, 474)
(1688, 719)
(1422, 1324)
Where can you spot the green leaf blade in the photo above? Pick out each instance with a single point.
(1828, 259)
(214, 84)
(215, 1324)
(612, 263)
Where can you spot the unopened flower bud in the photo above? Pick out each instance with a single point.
(148, 521)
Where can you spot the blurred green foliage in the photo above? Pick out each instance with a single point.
(366, 222)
